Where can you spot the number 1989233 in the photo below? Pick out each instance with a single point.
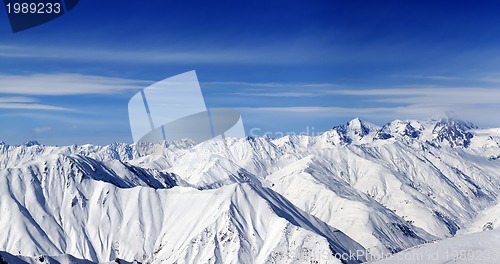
(33, 8)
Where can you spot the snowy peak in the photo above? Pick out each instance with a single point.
(447, 130)
(358, 127)
(455, 132)
(398, 128)
(354, 131)
(31, 143)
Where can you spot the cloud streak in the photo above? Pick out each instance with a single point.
(470, 103)
(348, 110)
(428, 77)
(244, 55)
(67, 84)
(18, 99)
(273, 89)
(32, 107)
(282, 94)
(28, 103)
(40, 130)
(272, 84)
(428, 95)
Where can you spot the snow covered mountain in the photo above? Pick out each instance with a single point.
(297, 199)
(71, 205)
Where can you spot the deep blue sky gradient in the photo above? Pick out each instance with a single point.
(287, 65)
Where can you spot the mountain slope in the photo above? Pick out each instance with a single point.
(76, 208)
(313, 189)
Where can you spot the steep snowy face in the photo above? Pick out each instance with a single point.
(314, 188)
(439, 191)
(454, 132)
(355, 131)
(398, 129)
(358, 127)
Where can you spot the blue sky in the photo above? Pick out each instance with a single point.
(288, 66)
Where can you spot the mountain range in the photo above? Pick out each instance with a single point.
(355, 193)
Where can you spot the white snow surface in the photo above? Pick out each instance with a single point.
(296, 199)
(471, 248)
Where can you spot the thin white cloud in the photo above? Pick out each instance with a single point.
(271, 84)
(428, 77)
(67, 84)
(40, 130)
(490, 79)
(17, 99)
(436, 95)
(32, 107)
(346, 110)
(480, 105)
(28, 103)
(275, 89)
(407, 95)
(266, 54)
(297, 109)
(281, 94)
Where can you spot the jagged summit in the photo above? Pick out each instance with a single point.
(354, 131)
(398, 128)
(445, 129)
(358, 127)
(452, 119)
(455, 132)
(31, 143)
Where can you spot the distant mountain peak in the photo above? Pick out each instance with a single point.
(398, 128)
(354, 131)
(356, 120)
(455, 132)
(31, 143)
(358, 127)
